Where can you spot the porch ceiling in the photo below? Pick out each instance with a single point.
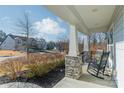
(86, 18)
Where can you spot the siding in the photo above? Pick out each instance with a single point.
(118, 37)
(119, 27)
(8, 44)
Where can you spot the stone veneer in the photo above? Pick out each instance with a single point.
(73, 67)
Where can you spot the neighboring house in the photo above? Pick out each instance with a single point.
(13, 42)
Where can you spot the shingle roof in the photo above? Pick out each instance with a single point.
(21, 37)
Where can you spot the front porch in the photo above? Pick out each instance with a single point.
(91, 19)
(76, 67)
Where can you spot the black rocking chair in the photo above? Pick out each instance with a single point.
(97, 67)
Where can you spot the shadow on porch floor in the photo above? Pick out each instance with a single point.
(89, 78)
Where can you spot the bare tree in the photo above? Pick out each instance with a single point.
(93, 38)
(63, 43)
(26, 27)
(101, 37)
(41, 43)
(80, 43)
(50, 45)
(98, 37)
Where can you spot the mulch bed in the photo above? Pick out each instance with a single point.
(46, 81)
(50, 79)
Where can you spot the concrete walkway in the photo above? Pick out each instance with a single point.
(72, 83)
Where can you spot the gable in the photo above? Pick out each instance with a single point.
(8, 43)
(7, 38)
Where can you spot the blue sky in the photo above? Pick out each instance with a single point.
(46, 24)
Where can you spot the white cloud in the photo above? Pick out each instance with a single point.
(6, 20)
(49, 26)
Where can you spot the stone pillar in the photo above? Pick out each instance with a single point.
(73, 67)
(73, 63)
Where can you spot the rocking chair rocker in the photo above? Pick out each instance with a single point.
(97, 68)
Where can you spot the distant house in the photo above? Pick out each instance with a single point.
(13, 42)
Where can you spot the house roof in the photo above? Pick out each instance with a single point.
(15, 36)
(21, 37)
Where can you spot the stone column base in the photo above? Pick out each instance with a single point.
(73, 67)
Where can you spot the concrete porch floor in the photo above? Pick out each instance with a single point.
(85, 81)
(73, 83)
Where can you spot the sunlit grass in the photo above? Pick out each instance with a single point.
(11, 53)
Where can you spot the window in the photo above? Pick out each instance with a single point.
(18, 41)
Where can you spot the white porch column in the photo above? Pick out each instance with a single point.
(73, 62)
(86, 43)
(86, 54)
(73, 42)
